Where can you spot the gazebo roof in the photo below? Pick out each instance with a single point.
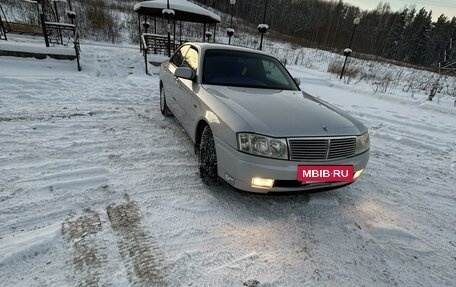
(184, 11)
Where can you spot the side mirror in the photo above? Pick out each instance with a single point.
(297, 81)
(185, 73)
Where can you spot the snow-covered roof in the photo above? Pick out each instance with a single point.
(184, 10)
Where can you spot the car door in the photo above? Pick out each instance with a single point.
(170, 82)
(187, 90)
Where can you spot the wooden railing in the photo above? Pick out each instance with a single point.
(25, 29)
(156, 44)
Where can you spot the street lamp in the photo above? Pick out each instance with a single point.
(168, 14)
(230, 31)
(348, 51)
(146, 25)
(208, 35)
(263, 28)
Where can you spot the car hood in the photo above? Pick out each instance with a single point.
(283, 113)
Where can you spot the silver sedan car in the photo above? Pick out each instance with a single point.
(253, 127)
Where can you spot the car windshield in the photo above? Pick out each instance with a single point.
(244, 69)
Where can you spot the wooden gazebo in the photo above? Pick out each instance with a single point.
(172, 11)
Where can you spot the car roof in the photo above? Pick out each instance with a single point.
(204, 46)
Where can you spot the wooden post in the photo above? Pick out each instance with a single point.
(145, 61)
(3, 31)
(180, 32)
(139, 32)
(145, 24)
(169, 39)
(43, 26)
(204, 33)
(56, 12)
(174, 34)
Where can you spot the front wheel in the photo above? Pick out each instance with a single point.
(207, 159)
(163, 106)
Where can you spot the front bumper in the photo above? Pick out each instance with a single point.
(239, 168)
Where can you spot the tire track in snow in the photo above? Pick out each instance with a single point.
(88, 256)
(138, 250)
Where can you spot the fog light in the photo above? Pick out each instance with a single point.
(358, 174)
(265, 183)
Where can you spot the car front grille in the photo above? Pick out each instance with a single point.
(321, 148)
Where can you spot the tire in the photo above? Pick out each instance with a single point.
(163, 106)
(207, 158)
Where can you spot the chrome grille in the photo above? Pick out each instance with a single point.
(321, 148)
(301, 149)
(342, 147)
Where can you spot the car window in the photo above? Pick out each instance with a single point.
(191, 59)
(245, 69)
(272, 72)
(179, 56)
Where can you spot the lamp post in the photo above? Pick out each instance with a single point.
(348, 51)
(230, 31)
(70, 13)
(168, 14)
(146, 25)
(208, 35)
(263, 28)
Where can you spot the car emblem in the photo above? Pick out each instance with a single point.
(325, 128)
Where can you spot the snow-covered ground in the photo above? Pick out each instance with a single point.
(97, 188)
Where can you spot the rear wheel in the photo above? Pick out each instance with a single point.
(207, 158)
(163, 106)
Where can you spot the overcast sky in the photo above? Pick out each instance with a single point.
(447, 7)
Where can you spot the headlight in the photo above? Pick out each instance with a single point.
(263, 146)
(362, 143)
